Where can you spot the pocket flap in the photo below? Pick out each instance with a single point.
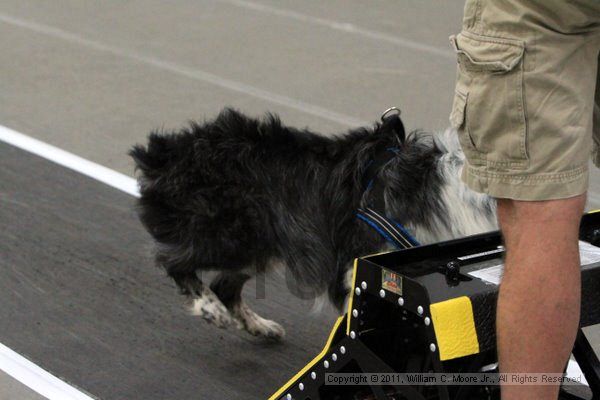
(484, 53)
(457, 116)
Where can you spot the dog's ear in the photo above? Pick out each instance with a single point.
(392, 124)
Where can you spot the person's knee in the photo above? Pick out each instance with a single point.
(541, 237)
(522, 212)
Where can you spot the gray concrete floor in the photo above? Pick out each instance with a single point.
(95, 77)
(98, 76)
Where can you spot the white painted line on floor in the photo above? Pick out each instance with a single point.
(70, 160)
(36, 378)
(188, 72)
(344, 27)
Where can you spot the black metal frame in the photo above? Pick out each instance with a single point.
(588, 362)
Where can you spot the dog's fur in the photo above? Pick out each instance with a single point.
(240, 195)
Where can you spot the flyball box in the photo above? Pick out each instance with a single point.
(432, 309)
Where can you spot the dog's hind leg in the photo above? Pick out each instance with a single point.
(204, 302)
(228, 287)
(257, 325)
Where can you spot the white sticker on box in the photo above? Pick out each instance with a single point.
(588, 253)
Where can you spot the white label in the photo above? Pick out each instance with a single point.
(589, 255)
(500, 249)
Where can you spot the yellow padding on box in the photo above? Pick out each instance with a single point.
(454, 328)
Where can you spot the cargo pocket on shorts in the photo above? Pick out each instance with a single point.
(457, 120)
(488, 110)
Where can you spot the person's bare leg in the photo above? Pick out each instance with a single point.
(539, 299)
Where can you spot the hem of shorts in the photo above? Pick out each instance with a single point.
(532, 187)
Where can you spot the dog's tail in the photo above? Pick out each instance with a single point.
(152, 160)
(163, 161)
(163, 178)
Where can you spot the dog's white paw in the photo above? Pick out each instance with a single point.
(257, 325)
(213, 311)
(267, 328)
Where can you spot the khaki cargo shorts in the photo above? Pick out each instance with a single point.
(526, 105)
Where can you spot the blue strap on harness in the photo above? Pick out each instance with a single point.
(391, 230)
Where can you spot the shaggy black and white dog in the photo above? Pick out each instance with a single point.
(241, 195)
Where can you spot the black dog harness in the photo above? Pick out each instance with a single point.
(391, 230)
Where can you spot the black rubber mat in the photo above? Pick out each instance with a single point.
(81, 298)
